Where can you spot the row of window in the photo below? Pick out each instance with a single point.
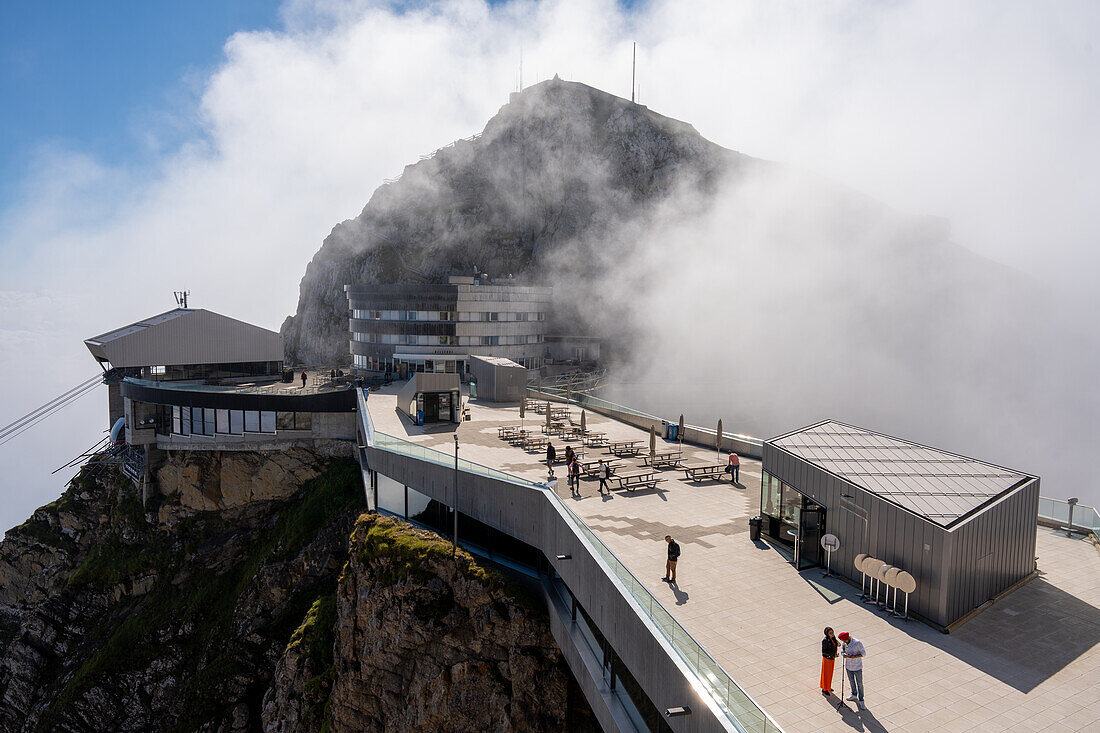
(447, 366)
(479, 316)
(413, 339)
(212, 421)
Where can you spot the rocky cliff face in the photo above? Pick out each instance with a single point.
(422, 643)
(561, 164)
(225, 606)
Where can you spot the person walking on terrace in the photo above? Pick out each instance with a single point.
(603, 473)
(575, 475)
(734, 469)
(673, 557)
(829, 647)
(303, 379)
(551, 456)
(853, 652)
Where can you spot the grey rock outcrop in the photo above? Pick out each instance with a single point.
(560, 165)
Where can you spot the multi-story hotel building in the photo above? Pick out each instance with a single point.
(436, 328)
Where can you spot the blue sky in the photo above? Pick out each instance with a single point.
(76, 75)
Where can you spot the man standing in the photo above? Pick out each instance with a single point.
(673, 556)
(303, 379)
(735, 467)
(602, 471)
(853, 652)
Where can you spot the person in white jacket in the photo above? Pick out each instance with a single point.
(853, 652)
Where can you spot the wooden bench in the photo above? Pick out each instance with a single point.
(535, 442)
(595, 440)
(663, 458)
(708, 471)
(592, 466)
(633, 479)
(624, 447)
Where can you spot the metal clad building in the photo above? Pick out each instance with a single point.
(498, 379)
(963, 528)
(186, 336)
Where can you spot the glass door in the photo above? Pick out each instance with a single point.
(811, 529)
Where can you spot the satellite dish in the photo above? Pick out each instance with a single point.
(830, 542)
(905, 582)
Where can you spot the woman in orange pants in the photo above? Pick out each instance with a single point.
(828, 656)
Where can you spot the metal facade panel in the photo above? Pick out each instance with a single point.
(194, 336)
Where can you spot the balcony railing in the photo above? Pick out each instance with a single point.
(1085, 517)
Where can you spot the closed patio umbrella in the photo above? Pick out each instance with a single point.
(584, 427)
(680, 429)
(652, 441)
(548, 418)
(718, 439)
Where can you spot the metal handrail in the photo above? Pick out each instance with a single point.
(673, 632)
(1056, 510)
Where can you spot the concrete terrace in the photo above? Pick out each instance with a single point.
(1029, 662)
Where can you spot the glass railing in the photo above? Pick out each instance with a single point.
(739, 708)
(1084, 516)
(268, 389)
(585, 400)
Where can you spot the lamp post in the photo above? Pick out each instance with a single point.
(454, 508)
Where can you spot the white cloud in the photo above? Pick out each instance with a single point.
(982, 112)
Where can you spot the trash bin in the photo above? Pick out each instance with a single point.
(672, 431)
(754, 528)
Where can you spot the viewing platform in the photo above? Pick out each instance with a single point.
(1029, 661)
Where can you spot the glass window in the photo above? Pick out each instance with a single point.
(791, 507)
(176, 420)
(236, 422)
(185, 421)
(494, 316)
(196, 421)
(222, 421)
(521, 316)
(410, 315)
(267, 421)
(208, 421)
(251, 421)
(391, 496)
(769, 495)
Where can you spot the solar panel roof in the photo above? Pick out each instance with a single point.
(939, 486)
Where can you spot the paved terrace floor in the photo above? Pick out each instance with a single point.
(1030, 662)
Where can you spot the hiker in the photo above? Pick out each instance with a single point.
(853, 652)
(575, 474)
(551, 454)
(303, 379)
(670, 564)
(828, 658)
(603, 473)
(734, 468)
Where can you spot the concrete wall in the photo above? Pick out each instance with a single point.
(532, 517)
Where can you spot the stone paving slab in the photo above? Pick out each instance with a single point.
(1029, 662)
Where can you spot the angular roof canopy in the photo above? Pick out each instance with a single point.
(186, 336)
(942, 487)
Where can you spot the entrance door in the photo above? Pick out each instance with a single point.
(811, 529)
(431, 407)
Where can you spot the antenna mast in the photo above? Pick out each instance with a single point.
(181, 297)
(633, 71)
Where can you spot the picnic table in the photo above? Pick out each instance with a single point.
(503, 431)
(633, 479)
(624, 447)
(592, 466)
(517, 436)
(535, 442)
(705, 471)
(595, 440)
(663, 458)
